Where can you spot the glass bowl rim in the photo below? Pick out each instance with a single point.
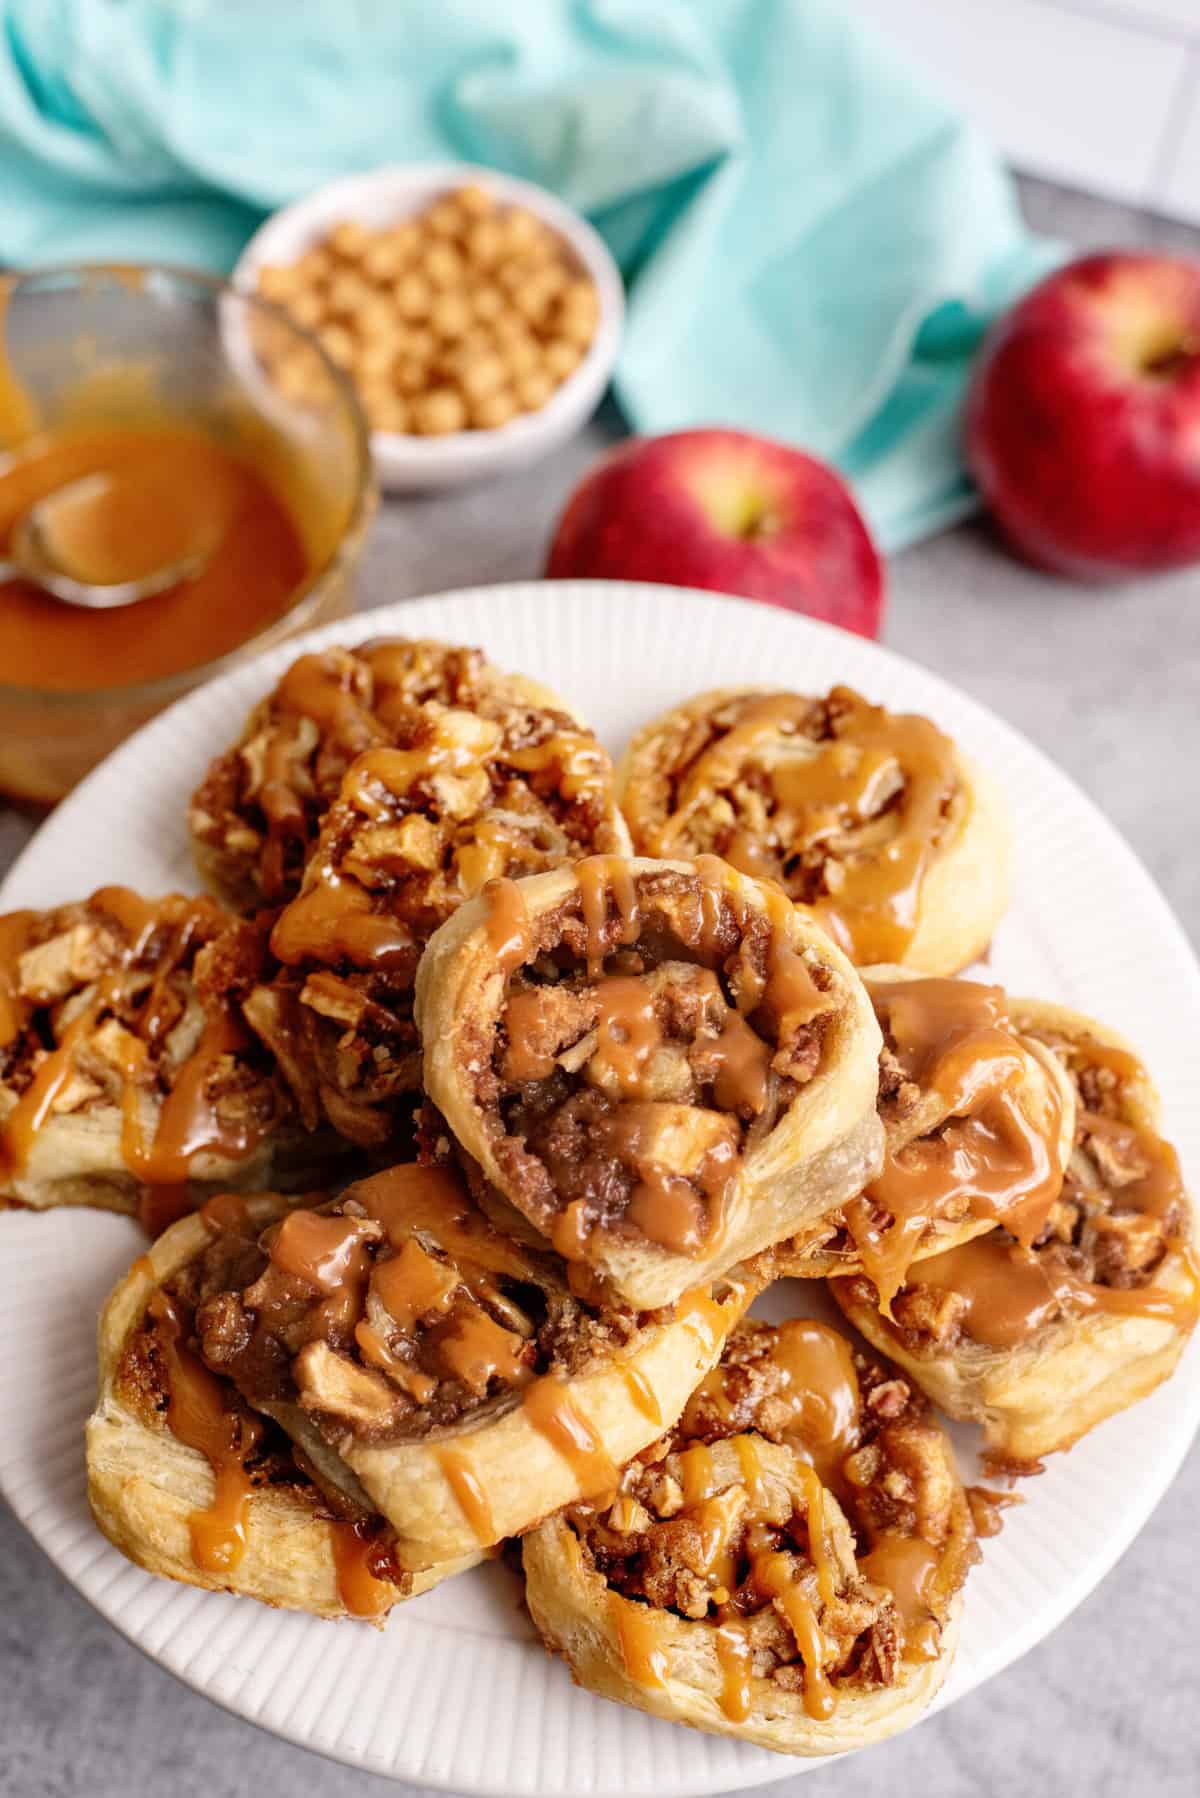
(306, 599)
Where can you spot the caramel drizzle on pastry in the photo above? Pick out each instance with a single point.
(190, 1121)
(677, 1200)
(1008, 1291)
(908, 1567)
(467, 1488)
(868, 804)
(360, 1588)
(198, 1416)
(989, 1159)
(550, 1410)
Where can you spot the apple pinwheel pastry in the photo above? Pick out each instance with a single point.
(1040, 1338)
(417, 1356)
(663, 1066)
(129, 1078)
(190, 1482)
(785, 1566)
(456, 798)
(979, 1119)
(874, 819)
(255, 817)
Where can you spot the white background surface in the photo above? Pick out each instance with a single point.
(1107, 1705)
(1104, 94)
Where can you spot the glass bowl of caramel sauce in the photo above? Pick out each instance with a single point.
(157, 379)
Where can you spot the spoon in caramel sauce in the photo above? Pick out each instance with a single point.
(101, 542)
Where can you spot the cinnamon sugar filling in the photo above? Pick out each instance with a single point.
(394, 1312)
(654, 1029)
(749, 1554)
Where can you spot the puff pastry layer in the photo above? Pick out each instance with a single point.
(876, 820)
(785, 1567)
(129, 1079)
(446, 1370)
(1040, 1344)
(665, 1066)
(246, 1517)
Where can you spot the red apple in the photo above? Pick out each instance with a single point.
(1083, 418)
(727, 511)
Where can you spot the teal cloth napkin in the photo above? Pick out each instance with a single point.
(813, 241)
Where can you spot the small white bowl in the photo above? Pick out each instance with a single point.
(383, 197)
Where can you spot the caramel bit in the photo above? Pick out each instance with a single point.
(459, 318)
(127, 1002)
(973, 1121)
(1120, 1216)
(651, 1030)
(841, 802)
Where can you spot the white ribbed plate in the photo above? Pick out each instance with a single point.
(455, 1693)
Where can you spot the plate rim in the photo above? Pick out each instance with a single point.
(1172, 943)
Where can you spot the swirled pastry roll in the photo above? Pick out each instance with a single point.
(128, 1076)
(664, 1066)
(1039, 1342)
(445, 1368)
(979, 1119)
(876, 820)
(189, 1482)
(255, 817)
(458, 796)
(784, 1567)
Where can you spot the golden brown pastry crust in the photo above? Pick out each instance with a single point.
(590, 1624)
(1043, 1393)
(963, 890)
(824, 1146)
(145, 1485)
(256, 815)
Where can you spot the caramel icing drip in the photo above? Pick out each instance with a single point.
(645, 1660)
(775, 1577)
(1006, 1295)
(908, 1568)
(130, 976)
(468, 1489)
(819, 1390)
(736, 1659)
(844, 803)
(355, 1558)
(994, 1155)
(198, 1415)
(509, 931)
(553, 1413)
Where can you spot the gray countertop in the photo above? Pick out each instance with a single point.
(1106, 682)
